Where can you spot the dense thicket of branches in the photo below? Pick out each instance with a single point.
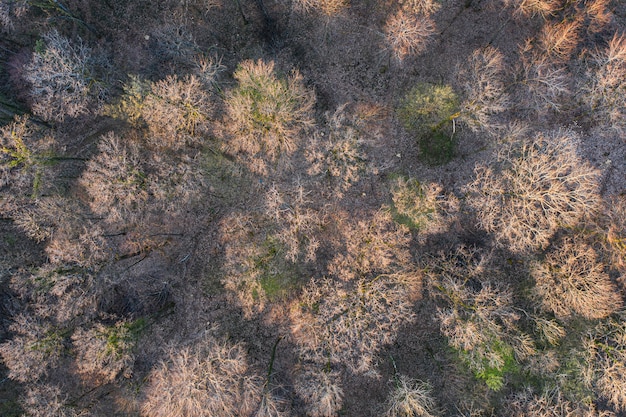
(312, 208)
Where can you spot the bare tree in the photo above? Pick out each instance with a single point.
(336, 151)
(344, 324)
(325, 7)
(483, 86)
(549, 404)
(410, 398)
(605, 83)
(606, 359)
(210, 378)
(320, 390)
(532, 189)
(63, 79)
(571, 281)
(408, 33)
(266, 113)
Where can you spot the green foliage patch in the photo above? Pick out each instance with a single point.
(120, 338)
(413, 205)
(494, 367)
(429, 111)
(277, 276)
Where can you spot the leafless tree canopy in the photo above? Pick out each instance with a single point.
(314, 208)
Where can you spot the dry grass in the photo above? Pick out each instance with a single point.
(571, 281)
(410, 398)
(408, 34)
(533, 189)
(267, 113)
(209, 379)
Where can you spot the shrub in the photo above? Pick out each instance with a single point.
(267, 113)
(429, 112)
(103, 352)
(211, 378)
(533, 189)
(571, 281)
(35, 348)
(320, 391)
(63, 78)
(336, 152)
(339, 323)
(326, 7)
(483, 88)
(478, 316)
(549, 404)
(416, 205)
(410, 398)
(408, 33)
(606, 359)
(372, 246)
(605, 83)
(24, 154)
(174, 110)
